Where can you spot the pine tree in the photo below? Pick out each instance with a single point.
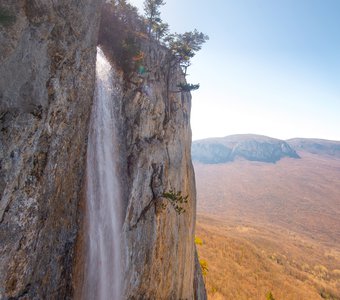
(184, 46)
(152, 13)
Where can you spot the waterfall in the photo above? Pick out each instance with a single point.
(102, 270)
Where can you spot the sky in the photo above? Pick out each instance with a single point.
(270, 67)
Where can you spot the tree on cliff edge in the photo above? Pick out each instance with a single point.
(184, 46)
(152, 13)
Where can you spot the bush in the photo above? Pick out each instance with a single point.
(176, 199)
(188, 87)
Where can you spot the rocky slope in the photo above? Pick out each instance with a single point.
(47, 64)
(249, 147)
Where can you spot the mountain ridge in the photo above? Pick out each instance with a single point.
(249, 147)
(316, 146)
(254, 147)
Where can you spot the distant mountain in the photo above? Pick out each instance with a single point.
(246, 146)
(316, 146)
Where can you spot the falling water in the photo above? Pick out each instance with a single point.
(103, 271)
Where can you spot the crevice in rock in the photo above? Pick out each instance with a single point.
(142, 214)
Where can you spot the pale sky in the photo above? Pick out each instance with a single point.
(271, 67)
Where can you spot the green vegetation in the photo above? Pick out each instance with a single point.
(118, 35)
(187, 87)
(6, 18)
(153, 18)
(176, 199)
(124, 34)
(184, 46)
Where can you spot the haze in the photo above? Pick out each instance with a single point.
(270, 67)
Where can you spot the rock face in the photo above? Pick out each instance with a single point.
(249, 147)
(156, 139)
(47, 69)
(316, 146)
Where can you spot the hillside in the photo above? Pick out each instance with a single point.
(300, 195)
(271, 226)
(247, 146)
(246, 262)
(316, 146)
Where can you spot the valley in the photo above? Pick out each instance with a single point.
(246, 261)
(271, 226)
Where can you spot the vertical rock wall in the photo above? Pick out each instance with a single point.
(47, 68)
(154, 120)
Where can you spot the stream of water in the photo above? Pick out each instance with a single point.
(103, 270)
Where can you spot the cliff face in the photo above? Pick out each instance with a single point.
(47, 67)
(159, 242)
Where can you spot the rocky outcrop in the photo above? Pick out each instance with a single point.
(249, 147)
(47, 67)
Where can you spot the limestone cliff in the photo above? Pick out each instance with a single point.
(47, 69)
(47, 60)
(156, 139)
